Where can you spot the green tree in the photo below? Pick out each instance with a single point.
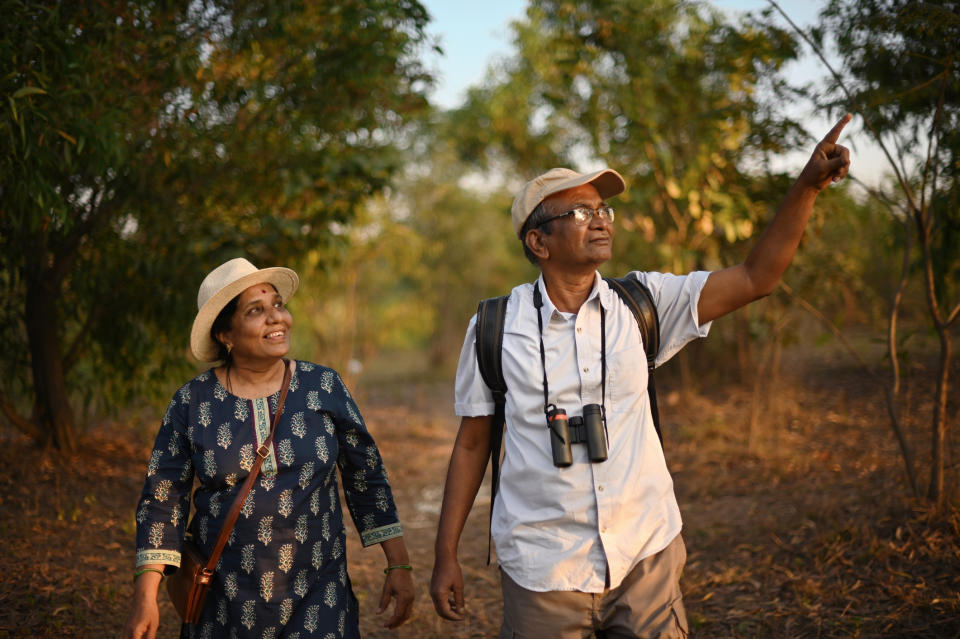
(415, 261)
(469, 248)
(668, 93)
(901, 73)
(360, 296)
(143, 142)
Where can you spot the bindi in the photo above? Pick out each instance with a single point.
(263, 291)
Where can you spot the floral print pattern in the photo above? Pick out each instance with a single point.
(283, 574)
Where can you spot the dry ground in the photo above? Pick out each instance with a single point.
(800, 529)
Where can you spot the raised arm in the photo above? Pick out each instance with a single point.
(729, 289)
(467, 464)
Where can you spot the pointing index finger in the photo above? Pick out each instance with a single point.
(834, 133)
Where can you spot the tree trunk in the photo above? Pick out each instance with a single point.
(52, 412)
(937, 490)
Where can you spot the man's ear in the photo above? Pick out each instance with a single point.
(534, 242)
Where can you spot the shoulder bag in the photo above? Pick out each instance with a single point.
(189, 585)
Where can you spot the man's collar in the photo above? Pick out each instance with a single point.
(600, 290)
(606, 295)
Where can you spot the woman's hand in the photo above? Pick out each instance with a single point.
(144, 618)
(398, 586)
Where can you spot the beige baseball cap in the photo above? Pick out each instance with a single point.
(224, 283)
(607, 182)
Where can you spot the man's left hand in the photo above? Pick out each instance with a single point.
(830, 161)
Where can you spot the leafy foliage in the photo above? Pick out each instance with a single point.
(415, 261)
(667, 93)
(903, 76)
(902, 71)
(145, 142)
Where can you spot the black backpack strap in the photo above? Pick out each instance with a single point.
(639, 300)
(489, 342)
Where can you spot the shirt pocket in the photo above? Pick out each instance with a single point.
(627, 378)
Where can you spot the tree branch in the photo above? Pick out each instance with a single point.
(833, 328)
(853, 105)
(20, 422)
(888, 394)
(76, 347)
(954, 314)
(934, 125)
(895, 309)
(65, 254)
(894, 207)
(664, 193)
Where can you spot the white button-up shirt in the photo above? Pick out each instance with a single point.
(559, 528)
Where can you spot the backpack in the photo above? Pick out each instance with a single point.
(489, 343)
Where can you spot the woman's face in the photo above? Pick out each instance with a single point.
(260, 328)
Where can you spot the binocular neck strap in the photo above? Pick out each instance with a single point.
(538, 304)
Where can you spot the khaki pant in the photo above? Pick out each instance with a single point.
(648, 604)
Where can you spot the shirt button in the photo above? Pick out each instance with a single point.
(600, 488)
(579, 329)
(604, 529)
(586, 370)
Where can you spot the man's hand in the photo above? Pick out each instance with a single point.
(467, 464)
(730, 288)
(830, 161)
(446, 589)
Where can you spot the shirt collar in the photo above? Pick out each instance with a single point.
(600, 291)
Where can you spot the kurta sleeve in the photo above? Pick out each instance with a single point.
(365, 484)
(165, 501)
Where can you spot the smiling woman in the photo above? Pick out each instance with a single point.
(284, 568)
(253, 331)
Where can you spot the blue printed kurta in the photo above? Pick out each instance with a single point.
(283, 573)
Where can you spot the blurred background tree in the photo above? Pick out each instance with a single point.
(414, 263)
(668, 93)
(901, 73)
(145, 142)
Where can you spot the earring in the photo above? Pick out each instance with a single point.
(229, 348)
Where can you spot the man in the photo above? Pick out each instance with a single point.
(594, 547)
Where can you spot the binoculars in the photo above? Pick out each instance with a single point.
(577, 430)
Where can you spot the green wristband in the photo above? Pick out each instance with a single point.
(140, 572)
(387, 570)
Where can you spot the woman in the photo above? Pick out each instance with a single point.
(283, 572)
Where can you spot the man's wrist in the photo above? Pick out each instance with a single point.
(802, 194)
(445, 552)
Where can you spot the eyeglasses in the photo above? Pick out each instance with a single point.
(583, 214)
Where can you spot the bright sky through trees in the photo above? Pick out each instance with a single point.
(474, 35)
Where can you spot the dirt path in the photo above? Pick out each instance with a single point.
(807, 536)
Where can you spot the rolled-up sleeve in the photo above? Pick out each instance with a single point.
(676, 298)
(472, 397)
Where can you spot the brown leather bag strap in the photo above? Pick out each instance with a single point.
(262, 453)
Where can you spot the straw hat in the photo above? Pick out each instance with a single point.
(607, 182)
(223, 284)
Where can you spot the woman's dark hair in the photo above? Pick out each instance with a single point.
(539, 214)
(222, 325)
